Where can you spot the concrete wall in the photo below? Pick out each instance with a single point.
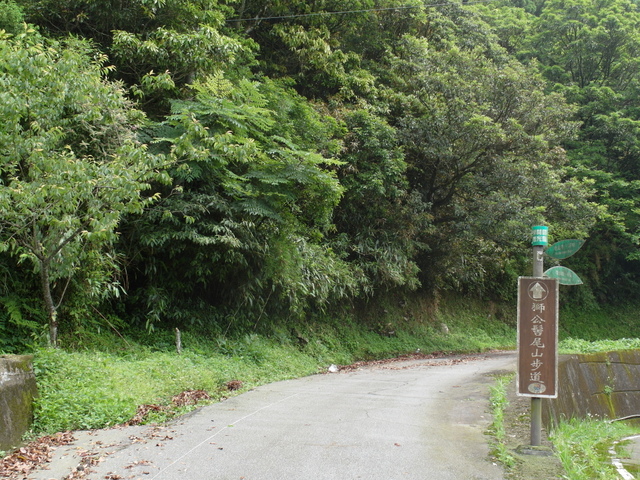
(17, 391)
(604, 385)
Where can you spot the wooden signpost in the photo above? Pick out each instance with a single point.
(537, 337)
(538, 325)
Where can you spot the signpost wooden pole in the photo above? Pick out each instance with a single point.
(537, 345)
(538, 325)
(536, 402)
(537, 335)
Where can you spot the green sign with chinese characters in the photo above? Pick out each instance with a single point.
(540, 235)
(564, 249)
(564, 275)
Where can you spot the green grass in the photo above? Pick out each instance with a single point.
(99, 380)
(604, 323)
(91, 389)
(604, 329)
(499, 402)
(583, 447)
(578, 345)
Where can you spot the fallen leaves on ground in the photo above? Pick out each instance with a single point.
(24, 460)
(138, 463)
(391, 363)
(234, 385)
(20, 463)
(188, 397)
(144, 410)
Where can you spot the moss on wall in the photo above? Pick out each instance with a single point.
(603, 385)
(17, 391)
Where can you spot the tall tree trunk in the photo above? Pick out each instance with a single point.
(50, 306)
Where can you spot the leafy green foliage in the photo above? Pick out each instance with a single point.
(157, 46)
(310, 45)
(183, 55)
(11, 17)
(326, 151)
(248, 205)
(587, 43)
(378, 220)
(98, 19)
(481, 138)
(70, 163)
(511, 23)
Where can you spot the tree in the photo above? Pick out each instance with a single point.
(70, 163)
(448, 147)
(157, 46)
(11, 17)
(316, 44)
(252, 197)
(98, 19)
(482, 143)
(586, 42)
(587, 52)
(510, 23)
(378, 220)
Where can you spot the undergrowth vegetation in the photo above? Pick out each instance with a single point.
(101, 379)
(498, 430)
(86, 390)
(583, 447)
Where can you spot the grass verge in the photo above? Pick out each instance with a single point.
(499, 402)
(88, 390)
(583, 447)
(104, 379)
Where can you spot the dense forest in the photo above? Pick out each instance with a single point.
(222, 163)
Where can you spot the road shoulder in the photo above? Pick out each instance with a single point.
(530, 465)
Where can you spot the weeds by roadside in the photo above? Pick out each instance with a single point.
(499, 402)
(88, 390)
(583, 447)
(103, 381)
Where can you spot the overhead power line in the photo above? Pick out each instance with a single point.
(346, 12)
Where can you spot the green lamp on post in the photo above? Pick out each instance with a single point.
(539, 241)
(540, 236)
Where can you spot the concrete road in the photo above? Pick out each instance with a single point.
(412, 420)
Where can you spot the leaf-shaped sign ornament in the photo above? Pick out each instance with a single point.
(564, 249)
(564, 275)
